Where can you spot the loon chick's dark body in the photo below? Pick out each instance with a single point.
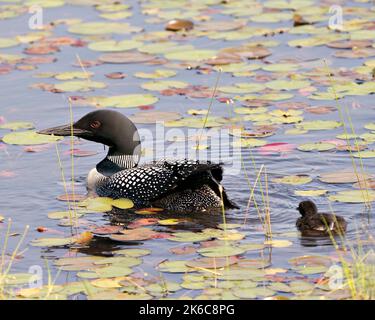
(175, 185)
(313, 223)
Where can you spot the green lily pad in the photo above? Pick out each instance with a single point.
(189, 237)
(123, 203)
(163, 287)
(353, 196)
(241, 274)
(65, 214)
(157, 74)
(365, 154)
(70, 75)
(8, 42)
(310, 193)
(98, 28)
(114, 46)
(221, 251)
(287, 85)
(191, 55)
(176, 266)
(370, 126)
(133, 252)
(252, 293)
(124, 101)
(279, 287)
(123, 261)
(113, 271)
(82, 86)
(29, 138)
(11, 279)
(52, 242)
(311, 269)
(248, 143)
(164, 85)
(281, 67)
(319, 125)
(316, 146)
(300, 286)
(294, 179)
(17, 125)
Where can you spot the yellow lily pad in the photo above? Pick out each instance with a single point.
(294, 180)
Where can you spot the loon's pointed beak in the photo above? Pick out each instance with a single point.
(66, 130)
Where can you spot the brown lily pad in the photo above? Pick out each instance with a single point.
(343, 177)
(179, 24)
(138, 234)
(321, 110)
(126, 57)
(107, 230)
(154, 116)
(349, 44)
(183, 250)
(368, 184)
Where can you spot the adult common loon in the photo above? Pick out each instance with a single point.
(176, 185)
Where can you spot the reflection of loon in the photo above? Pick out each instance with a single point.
(176, 185)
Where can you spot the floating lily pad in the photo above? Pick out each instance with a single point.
(278, 243)
(124, 101)
(189, 237)
(212, 263)
(52, 242)
(252, 293)
(319, 125)
(17, 125)
(365, 154)
(343, 176)
(157, 74)
(191, 55)
(295, 180)
(353, 196)
(123, 203)
(221, 251)
(163, 287)
(287, 85)
(73, 86)
(97, 28)
(177, 266)
(123, 261)
(137, 234)
(134, 252)
(114, 46)
(8, 42)
(310, 193)
(29, 138)
(317, 146)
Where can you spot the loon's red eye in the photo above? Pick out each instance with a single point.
(95, 124)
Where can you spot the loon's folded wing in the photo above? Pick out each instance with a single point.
(152, 181)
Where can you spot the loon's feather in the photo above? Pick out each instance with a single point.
(155, 181)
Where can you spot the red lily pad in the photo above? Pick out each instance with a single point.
(278, 147)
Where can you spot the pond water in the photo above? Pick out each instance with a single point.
(30, 176)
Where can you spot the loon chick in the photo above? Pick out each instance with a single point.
(175, 185)
(313, 223)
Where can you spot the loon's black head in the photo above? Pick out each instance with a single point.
(307, 208)
(108, 127)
